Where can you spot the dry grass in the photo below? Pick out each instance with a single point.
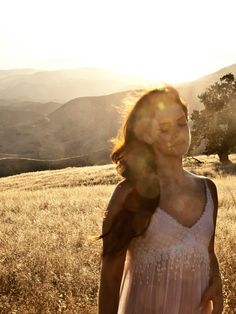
(68, 177)
(47, 263)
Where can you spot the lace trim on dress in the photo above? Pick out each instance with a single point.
(187, 253)
(175, 260)
(201, 216)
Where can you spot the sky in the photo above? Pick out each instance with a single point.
(172, 41)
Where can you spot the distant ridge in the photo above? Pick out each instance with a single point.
(11, 165)
(41, 132)
(63, 85)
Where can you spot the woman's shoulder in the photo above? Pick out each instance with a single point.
(122, 189)
(118, 196)
(200, 178)
(210, 183)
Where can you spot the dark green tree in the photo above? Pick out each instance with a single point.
(214, 127)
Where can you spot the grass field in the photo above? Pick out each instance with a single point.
(47, 262)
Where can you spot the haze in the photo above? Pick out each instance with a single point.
(172, 41)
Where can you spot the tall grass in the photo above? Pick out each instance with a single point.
(47, 262)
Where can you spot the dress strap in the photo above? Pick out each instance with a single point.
(208, 193)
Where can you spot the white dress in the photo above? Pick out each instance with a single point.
(167, 270)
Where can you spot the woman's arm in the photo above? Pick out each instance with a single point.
(112, 265)
(214, 291)
(111, 275)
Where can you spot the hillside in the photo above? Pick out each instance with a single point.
(38, 107)
(79, 127)
(190, 90)
(49, 263)
(63, 85)
(15, 114)
(34, 174)
(17, 117)
(11, 165)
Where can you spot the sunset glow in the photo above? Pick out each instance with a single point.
(159, 40)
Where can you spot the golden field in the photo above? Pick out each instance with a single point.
(47, 262)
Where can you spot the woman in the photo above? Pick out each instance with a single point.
(158, 230)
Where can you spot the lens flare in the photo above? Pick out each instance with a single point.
(147, 129)
(149, 188)
(161, 105)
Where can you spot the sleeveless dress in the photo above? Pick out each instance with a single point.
(167, 269)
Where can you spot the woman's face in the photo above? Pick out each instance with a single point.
(166, 129)
(174, 135)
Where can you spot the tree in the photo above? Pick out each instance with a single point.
(215, 125)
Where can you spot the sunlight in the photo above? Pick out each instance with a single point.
(129, 37)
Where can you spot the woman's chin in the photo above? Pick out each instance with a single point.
(174, 151)
(177, 152)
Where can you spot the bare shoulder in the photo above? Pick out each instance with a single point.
(199, 178)
(211, 185)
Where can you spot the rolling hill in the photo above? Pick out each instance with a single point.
(78, 128)
(190, 90)
(63, 85)
(47, 220)
(16, 117)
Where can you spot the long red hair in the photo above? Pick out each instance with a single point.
(130, 154)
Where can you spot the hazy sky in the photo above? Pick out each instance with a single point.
(161, 40)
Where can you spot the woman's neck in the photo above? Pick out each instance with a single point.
(170, 170)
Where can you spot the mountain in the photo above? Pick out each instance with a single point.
(80, 128)
(37, 107)
(63, 85)
(22, 113)
(190, 90)
(17, 117)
